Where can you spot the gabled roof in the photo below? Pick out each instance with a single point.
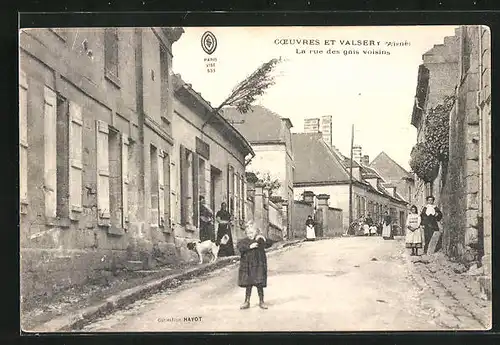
(382, 156)
(315, 161)
(184, 92)
(259, 125)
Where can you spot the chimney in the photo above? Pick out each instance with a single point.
(365, 160)
(356, 153)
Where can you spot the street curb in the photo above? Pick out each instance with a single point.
(79, 319)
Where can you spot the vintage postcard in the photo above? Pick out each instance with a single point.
(241, 179)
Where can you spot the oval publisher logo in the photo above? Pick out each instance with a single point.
(208, 42)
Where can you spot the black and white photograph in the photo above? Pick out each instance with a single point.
(255, 179)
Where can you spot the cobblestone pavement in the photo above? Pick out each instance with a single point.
(454, 297)
(342, 284)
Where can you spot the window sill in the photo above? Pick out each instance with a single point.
(112, 78)
(59, 222)
(115, 230)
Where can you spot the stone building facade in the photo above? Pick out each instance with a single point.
(95, 132)
(465, 184)
(273, 148)
(209, 160)
(370, 193)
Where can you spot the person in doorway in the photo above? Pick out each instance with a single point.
(206, 221)
(413, 231)
(310, 232)
(224, 218)
(253, 264)
(430, 215)
(387, 227)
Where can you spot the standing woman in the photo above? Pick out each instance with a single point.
(413, 231)
(431, 215)
(223, 218)
(310, 233)
(386, 227)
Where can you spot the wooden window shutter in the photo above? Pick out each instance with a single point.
(183, 179)
(245, 196)
(23, 138)
(103, 206)
(75, 156)
(125, 179)
(161, 189)
(196, 189)
(50, 157)
(166, 197)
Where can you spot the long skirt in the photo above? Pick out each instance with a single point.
(366, 229)
(414, 238)
(225, 249)
(310, 233)
(387, 232)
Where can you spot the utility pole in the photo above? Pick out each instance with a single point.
(350, 178)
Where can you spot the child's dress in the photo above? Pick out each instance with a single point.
(413, 238)
(253, 262)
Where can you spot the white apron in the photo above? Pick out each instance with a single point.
(386, 230)
(310, 234)
(366, 229)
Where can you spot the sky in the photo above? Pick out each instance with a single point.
(375, 92)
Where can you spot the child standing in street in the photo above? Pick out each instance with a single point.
(253, 264)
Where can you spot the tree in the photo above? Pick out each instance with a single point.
(247, 91)
(269, 182)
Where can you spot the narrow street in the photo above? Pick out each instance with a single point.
(342, 284)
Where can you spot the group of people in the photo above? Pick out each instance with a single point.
(210, 230)
(253, 262)
(421, 227)
(371, 228)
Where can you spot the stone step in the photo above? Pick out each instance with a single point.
(134, 265)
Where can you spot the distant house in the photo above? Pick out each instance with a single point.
(395, 174)
(270, 137)
(322, 170)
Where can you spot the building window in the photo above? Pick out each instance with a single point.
(103, 206)
(75, 156)
(111, 51)
(50, 154)
(164, 79)
(23, 140)
(187, 168)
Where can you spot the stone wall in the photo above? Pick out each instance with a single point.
(78, 245)
(462, 194)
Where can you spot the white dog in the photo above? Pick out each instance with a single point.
(207, 247)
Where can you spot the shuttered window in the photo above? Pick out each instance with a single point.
(23, 138)
(103, 205)
(75, 156)
(50, 152)
(125, 179)
(111, 50)
(183, 165)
